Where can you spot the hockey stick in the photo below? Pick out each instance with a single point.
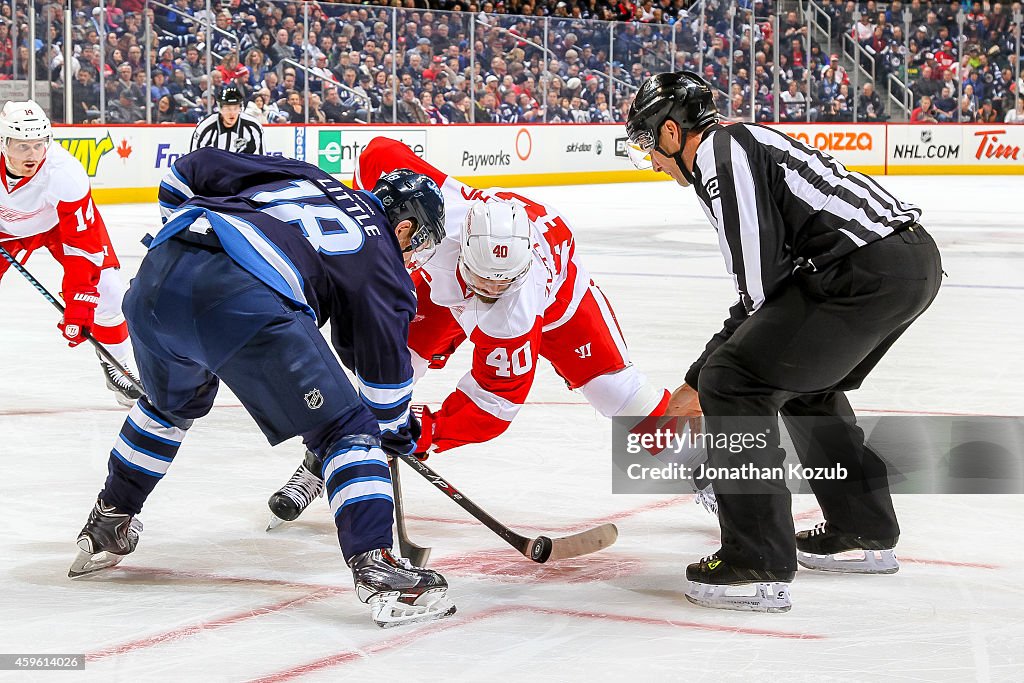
(539, 549)
(100, 349)
(416, 554)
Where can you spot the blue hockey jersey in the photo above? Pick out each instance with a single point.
(328, 249)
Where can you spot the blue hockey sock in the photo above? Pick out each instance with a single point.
(143, 451)
(359, 490)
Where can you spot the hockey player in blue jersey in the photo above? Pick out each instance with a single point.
(256, 253)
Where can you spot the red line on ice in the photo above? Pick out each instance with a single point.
(408, 636)
(220, 622)
(947, 563)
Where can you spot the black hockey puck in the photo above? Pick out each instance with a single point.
(540, 551)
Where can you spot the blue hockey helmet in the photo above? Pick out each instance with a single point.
(407, 195)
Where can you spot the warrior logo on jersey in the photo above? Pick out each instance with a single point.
(314, 399)
(584, 351)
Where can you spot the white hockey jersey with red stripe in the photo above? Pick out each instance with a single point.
(506, 334)
(58, 197)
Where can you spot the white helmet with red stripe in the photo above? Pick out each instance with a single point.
(497, 248)
(24, 121)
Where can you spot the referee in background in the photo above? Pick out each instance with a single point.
(830, 269)
(229, 128)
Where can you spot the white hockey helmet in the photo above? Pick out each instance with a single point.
(24, 121)
(497, 248)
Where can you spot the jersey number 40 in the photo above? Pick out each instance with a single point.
(505, 364)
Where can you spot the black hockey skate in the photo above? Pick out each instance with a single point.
(124, 392)
(716, 583)
(829, 550)
(397, 592)
(105, 539)
(302, 489)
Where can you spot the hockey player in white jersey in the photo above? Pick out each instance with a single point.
(508, 279)
(46, 202)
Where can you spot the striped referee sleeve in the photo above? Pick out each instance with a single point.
(746, 218)
(205, 134)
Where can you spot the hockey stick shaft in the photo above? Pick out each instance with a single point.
(416, 554)
(524, 545)
(102, 350)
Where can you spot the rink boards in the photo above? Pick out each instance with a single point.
(126, 163)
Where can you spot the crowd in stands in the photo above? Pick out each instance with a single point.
(946, 72)
(516, 61)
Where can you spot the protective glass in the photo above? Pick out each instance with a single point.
(639, 147)
(421, 249)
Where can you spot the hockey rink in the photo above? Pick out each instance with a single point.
(210, 596)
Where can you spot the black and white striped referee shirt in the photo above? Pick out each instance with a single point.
(773, 200)
(245, 136)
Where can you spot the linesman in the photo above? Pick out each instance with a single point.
(830, 269)
(229, 129)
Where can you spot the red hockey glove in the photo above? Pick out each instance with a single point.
(425, 444)
(78, 316)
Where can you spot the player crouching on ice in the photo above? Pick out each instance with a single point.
(257, 253)
(47, 202)
(506, 277)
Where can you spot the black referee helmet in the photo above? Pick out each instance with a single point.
(229, 94)
(682, 96)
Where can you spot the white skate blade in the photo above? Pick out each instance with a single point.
(87, 563)
(123, 400)
(387, 610)
(274, 522)
(852, 562)
(769, 596)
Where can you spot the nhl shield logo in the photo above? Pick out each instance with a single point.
(314, 399)
(926, 136)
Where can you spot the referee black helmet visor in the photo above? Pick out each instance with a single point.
(682, 96)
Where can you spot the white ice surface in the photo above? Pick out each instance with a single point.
(209, 596)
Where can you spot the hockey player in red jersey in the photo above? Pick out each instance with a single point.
(47, 202)
(508, 279)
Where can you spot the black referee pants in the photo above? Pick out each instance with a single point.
(818, 337)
